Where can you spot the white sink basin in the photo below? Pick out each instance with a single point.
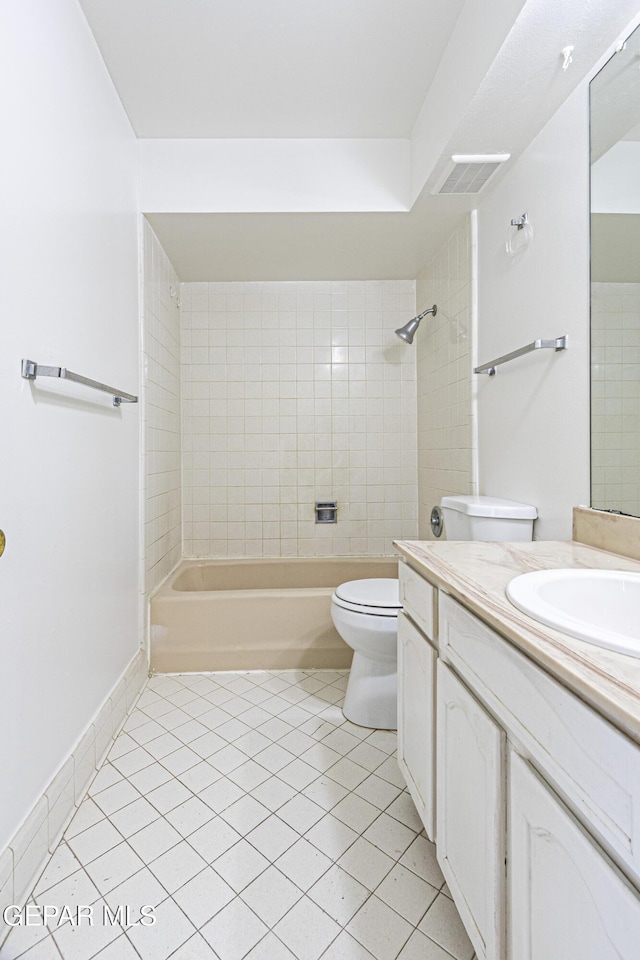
(601, 606)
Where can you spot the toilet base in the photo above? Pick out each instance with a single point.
(371, 699)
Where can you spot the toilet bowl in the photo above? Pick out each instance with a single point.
(365, 614)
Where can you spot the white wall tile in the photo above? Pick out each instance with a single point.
(303, 382)
(161, 402)
(615, 396)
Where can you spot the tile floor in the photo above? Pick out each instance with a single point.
(258, 823)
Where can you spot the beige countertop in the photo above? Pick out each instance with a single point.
(477, 574)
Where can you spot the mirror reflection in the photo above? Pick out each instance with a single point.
(615, 282)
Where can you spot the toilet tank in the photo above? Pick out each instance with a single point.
(487, 518)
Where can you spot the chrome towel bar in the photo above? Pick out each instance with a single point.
(560, 343)
(30, 370)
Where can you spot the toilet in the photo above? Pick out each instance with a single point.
(365, 612)
(487, 518)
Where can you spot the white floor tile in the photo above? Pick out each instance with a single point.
(442, 924)
(81, 941)
(240, 865)
(95, 841)
(115, 797)
(339, 895)
(234, 931)
(403, 809)
(177, 866)
(390, 835)
(272, 837)
(273, 793)
(331, 836)
(106, 777)
(355, 812)
(213, 783)
(380, 929)
(195, 948)
(298, 774)
(114, 867)
(189, 816)
(271, 895)
(306, 930)
(199, 777)
(325, 792)
(366, 862)
(180, 760)
(303, 863)
(143, 889)
(169, 795)
(170, 931)
(420, 857)
(301, 813)
(221, 794)
(45, 949)
(87, 814)
(213, 839)
(134, 817)
(249, 775)
(203, 896)
(153, 840)
(274, 757)
(419, 947)
(245, 814)
(61, 865)
(406, 893)
(150, 777)
(270, 949)
(346, 948)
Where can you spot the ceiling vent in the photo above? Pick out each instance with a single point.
(469, 174)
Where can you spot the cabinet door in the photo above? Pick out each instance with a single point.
(416, 718)
(471, 820)
(566, 898)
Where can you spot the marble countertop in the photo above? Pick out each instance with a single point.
(477, 574)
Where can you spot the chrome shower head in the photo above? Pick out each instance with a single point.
(407, 332)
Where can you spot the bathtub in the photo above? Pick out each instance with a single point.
(254, 614)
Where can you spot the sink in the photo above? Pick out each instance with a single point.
(600, 606)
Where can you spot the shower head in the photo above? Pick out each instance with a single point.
(407, 332)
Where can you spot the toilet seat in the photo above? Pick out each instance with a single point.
(378, 597)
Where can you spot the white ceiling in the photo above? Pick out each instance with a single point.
(272, 68)
(446, 76)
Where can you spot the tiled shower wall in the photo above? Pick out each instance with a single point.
(296, 392)
(615, 396)
(161, 413)
(445, 435)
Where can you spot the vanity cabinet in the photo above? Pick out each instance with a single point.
(536, 795)
(566, 898)
(417, 658)
(471, 818)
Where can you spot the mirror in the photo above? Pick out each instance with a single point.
(615, 282)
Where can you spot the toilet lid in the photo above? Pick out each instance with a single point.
(378, 594)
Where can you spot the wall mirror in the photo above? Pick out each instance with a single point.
(615, 282)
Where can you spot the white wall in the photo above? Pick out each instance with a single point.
(292, 393)
(69, 576)
(444, 351)
(161, 414)
(534, 414)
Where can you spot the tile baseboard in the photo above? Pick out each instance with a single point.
(22, 861)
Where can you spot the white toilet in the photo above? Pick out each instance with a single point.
(365, 612)
(487, 518)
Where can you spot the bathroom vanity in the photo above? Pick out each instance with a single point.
(521, 750)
